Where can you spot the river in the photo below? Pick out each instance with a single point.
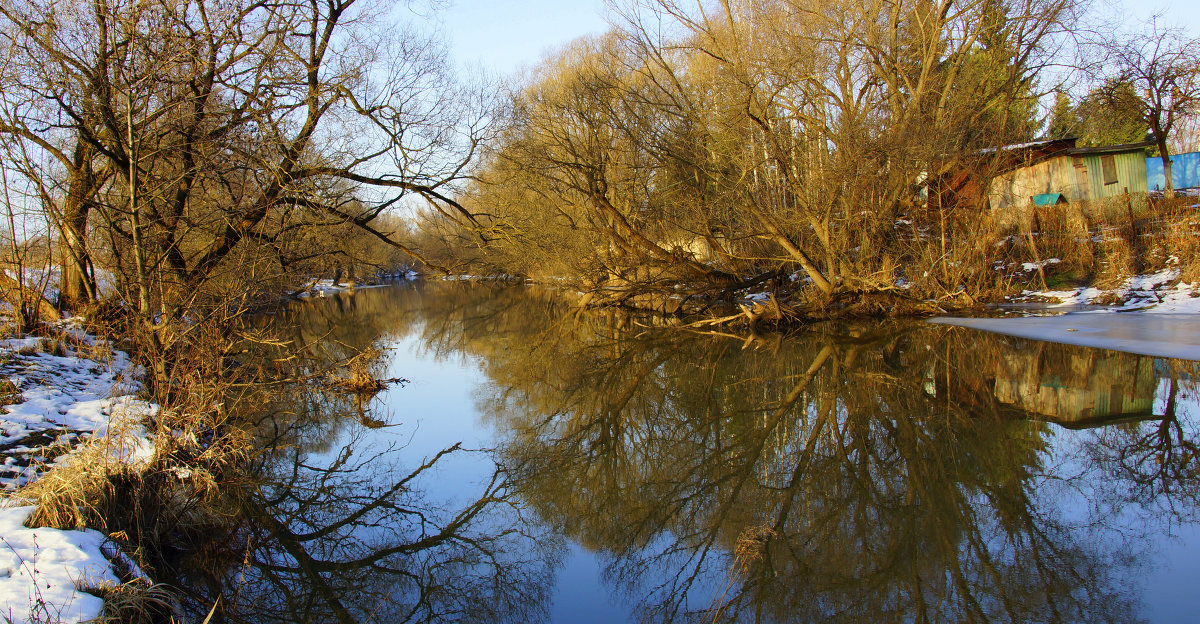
(543, 464)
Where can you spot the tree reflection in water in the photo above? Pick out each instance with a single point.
(330, 525)
(860, 475)
(820, 480)
(891, 472)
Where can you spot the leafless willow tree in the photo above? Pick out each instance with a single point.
(729, 142)
(200, 146)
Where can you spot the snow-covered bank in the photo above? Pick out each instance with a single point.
(61, 393)
(65, 392)
(1157, 292)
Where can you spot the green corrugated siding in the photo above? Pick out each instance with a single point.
(1131, 174)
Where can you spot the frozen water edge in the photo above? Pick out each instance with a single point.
(1157, 316)
(1159, 335)
(64, 399)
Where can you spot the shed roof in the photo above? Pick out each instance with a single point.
(1112, 149)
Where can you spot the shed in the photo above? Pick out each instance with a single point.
(967, 180)
(1078, 174)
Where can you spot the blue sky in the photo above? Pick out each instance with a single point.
(504, 35)
(1185, 12)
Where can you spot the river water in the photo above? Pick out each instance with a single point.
(541, 464)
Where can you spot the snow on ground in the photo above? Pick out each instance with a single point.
(42, 569)
(1033, 266)
(59, 393)
(1158, 292)
(56, 401)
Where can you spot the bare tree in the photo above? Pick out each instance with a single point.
(204, 142)
(764, 140)
(1163, 65)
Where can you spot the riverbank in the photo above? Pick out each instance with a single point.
(326, 287)
(1155, 314)
(788, 304)
(70, 404)
(101, 488)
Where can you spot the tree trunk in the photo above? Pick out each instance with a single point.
(1168, 183)
(78, 287)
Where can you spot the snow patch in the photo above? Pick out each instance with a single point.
(42, 571)
(80, 392)
(63, 400)
(1160, 292)
(1033, 266)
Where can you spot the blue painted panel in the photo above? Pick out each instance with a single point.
(1185, 171)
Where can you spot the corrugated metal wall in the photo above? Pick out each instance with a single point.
(1016, 188)
(1078, 177)
(1131, 174)
(1185, 171)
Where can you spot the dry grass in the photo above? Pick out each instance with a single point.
(961, 265)
(1177, 237)
(1101, 243)
(1116, 263)
(135, 602)
(1064, 232)
(359, 378)
(967, 257)
(171, 499)
(9, 392)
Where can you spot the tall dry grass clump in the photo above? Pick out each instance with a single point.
(152, 483)
(167, 498)
(954, 257)
(1064, 232)
(1117, 263)
(135, 602)
(1177, 236)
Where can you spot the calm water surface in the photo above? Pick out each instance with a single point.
(544, 465)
